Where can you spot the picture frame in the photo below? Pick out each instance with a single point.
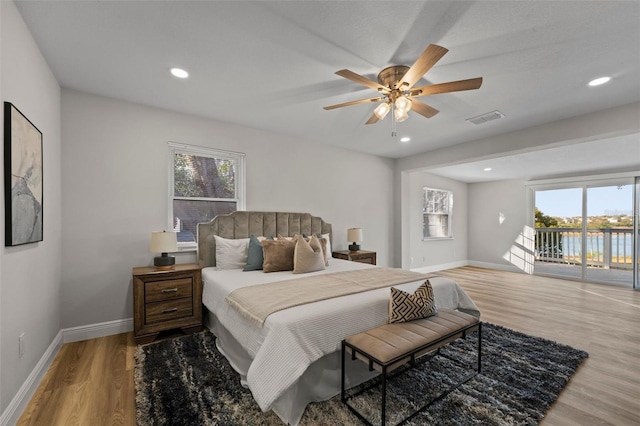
(23, 178)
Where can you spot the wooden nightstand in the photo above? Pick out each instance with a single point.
(166, 300)
(362, 256)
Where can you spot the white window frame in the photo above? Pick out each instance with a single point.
(240, 189)
(449, 214)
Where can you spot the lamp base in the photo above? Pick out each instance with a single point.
(164, 262)
(354, 247)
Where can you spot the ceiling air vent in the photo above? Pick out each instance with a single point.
(493, 115)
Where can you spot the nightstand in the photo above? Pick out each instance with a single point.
(165, 300)
(362, 256)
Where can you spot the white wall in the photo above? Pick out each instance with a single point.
(30, 274)
(115, 180)
(500, 225)
(623, 120)
(432, 254)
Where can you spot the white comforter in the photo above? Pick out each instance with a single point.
(292, 339)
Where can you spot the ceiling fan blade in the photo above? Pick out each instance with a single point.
(423, 109)
(452, 86)
(361, 101)
(373, 119)
(425, 61)
(350, 75)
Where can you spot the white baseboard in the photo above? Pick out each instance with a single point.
(498, 266)
(441, 267)
(92, 331)
(19, 402)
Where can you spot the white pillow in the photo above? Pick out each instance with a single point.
(231, 254)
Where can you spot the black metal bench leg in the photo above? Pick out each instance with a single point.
(342, 397)
(384, 396)
(479, 347)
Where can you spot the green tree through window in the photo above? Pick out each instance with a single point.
(205, 183)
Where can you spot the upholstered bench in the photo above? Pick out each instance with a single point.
(390, 346)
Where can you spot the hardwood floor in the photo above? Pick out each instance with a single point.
(91, 382)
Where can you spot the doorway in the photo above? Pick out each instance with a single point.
(588, 232)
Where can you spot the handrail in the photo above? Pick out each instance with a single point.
(606, 247)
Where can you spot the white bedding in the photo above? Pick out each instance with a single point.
(273, 358)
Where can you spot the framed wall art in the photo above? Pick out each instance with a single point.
(23, 190)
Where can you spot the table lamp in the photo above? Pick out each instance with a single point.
(163, 242)
(355, 235)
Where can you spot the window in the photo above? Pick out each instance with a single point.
(437, 214)
(203, 183)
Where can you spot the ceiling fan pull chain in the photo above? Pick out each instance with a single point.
(393, 121)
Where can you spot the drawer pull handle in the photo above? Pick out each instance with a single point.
(170, 290)
(166, 311)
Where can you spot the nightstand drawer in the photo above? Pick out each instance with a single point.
(156, 291)
(169, 310)
(366, 259)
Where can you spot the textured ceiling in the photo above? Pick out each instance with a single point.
(270, 65)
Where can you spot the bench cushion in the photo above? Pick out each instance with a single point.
(391, 341)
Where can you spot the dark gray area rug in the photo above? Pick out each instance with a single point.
(186, 381)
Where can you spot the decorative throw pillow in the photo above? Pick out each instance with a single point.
(278, 255)
(307, 256)
(255, 257)
(328, 252)
(405, 307)
(231, 254)
(325, 256)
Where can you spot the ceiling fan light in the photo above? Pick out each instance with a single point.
(403, 103)
(382, 110)
(400, 115)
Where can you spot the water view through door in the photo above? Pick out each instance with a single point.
(586, 232)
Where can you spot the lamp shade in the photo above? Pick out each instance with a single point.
(354, 234)
(163, 242)
(382, 110)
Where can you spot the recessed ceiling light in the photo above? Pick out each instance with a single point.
(179, 72)
(487, 169)
(405, 139)
(599, 81)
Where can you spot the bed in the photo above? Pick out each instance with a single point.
(292, 358)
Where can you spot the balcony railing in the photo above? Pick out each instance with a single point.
(605, 248)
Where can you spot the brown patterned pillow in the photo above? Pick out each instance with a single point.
(405, 307)
(278, 255)
(307, 256)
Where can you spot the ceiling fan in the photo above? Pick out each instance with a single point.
(395, 85)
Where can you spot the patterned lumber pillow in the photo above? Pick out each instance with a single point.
(405, 307)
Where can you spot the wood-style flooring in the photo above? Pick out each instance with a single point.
(91, 382)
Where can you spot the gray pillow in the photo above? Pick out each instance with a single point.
(255, 258)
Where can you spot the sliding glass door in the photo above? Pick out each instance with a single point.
(609, 238)
(558, 237)
(589, 232)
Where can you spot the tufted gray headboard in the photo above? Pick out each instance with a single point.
(241, 224)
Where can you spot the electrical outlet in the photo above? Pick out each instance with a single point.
(21, 345)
